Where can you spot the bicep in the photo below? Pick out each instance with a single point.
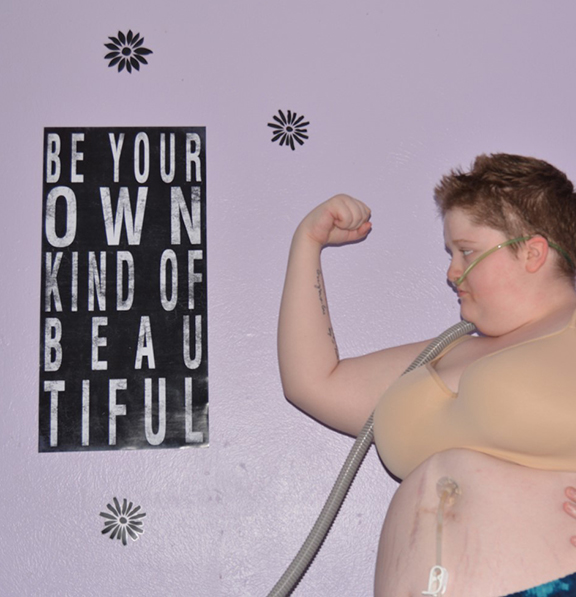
(347, 397)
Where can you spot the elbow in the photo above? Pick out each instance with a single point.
(295, 392)
(305, 398)
(292, 393)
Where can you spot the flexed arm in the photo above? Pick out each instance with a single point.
(307, 349)
(341, 394)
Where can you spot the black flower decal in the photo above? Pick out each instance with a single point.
(289, 128)
(123, 521)
(127, 51)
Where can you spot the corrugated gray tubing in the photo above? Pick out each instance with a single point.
(312, 544)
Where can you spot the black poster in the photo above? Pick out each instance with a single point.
(123, 332)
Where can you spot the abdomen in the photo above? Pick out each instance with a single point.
(505, 532)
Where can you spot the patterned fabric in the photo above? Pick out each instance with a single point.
(561, 587)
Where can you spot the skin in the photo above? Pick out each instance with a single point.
(465, 241)
(314, 378)
(505, 292)
(570, 507)
(525, 287)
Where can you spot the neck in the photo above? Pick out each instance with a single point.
(557, 294)
(553, 303)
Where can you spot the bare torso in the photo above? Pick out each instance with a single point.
(506, 532)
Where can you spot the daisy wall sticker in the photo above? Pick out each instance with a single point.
(123, 521)
(127, 51)
(289, 128)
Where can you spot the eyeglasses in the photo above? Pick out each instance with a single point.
(505, 244)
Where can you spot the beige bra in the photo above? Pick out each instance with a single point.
(517, 404)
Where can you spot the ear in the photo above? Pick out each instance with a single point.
(536, 253)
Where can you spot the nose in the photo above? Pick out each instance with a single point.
(454, 272)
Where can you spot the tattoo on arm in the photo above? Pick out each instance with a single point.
(324, 305)
(321, 294)
(333, 338)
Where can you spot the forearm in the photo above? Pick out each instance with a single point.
(307, 348)
(312, 375)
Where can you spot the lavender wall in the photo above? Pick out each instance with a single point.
(396, 93)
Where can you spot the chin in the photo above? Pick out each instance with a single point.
(466, 313)
(471, 317)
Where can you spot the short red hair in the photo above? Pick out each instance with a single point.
(517, 195)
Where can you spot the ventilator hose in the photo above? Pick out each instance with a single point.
(313, 542)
